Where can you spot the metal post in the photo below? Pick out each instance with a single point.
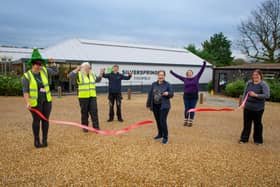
(59, 91)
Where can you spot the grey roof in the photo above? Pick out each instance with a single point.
(15, 53)
(92, 50)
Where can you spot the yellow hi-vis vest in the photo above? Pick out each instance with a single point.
(86, 85)
(33, 87)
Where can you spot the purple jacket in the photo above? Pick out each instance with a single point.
(190, 84)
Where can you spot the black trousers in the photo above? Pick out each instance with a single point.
(115, 97)
(89, 107)
(45, 108)
(249, 117)
(161, 119)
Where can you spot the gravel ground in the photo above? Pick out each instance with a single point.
(206, 154)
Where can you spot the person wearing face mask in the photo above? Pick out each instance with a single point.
(37, 94)
(258, 91)
(115, 86)
(191, 88)
(158, 101)
(86, 80)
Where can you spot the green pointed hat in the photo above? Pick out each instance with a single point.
(36, 56)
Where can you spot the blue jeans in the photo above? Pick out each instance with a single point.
(189, 103)
(161, 119)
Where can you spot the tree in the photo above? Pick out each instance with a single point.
(260, 34)
(216, 51)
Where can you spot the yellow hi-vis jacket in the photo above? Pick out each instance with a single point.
(86, 85)
(33, 87)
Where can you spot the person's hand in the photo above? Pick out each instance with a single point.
(28, 107)
(130, 73)
(165, 93)
(253, 94)
(77, 69)
(51, 60)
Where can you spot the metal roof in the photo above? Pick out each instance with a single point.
(262, 66)
(15, 53)
(93, 50)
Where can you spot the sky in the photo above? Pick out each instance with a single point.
(168, 23)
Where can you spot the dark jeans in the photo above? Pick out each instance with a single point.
(249, 117)
(115, 97)
(189, 103)
(45, 108)
(89, 107)
(161, 119)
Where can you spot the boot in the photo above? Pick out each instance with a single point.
(45, 142)
(37, 143)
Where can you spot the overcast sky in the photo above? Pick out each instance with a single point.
(171, 23)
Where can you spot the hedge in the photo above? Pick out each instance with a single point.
(10, 85)
(236, 88)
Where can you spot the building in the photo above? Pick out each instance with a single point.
(9, 55)
(224, 75)
(144, 61)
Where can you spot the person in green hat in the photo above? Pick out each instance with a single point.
(36, 92)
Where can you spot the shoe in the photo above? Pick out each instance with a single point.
(120, 120)
(85, 130)
(164, 141)
(37, 143)
(190, 123)
(45, 142)
(186, 122)
(157, 137)
(109, 120)
(258, 143)
(242, 142)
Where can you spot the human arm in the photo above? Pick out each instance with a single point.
(149, 99)
(124, 77)
(265, 92)
(169, 92)
(25, 90)
(198, 75)
(177, 76)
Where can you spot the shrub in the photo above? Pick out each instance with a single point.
(274, 90)
(10, 85)
(235, 89)
(210, 86)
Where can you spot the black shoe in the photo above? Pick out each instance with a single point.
(157, 137)
(164, 141)
(109, 120)
(258, 143)
(37, 143)
(45, 142)
(120, 120)
(85, 130)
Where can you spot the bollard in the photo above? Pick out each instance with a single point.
(212, 92)
(201, 98)
(129, 93)
(240, 99)
(59, 91)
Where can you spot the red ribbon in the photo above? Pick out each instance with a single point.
(105, 132)
(226, 109)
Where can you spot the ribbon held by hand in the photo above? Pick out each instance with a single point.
(97, 131)
(225, 109)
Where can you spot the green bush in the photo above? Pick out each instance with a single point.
(210, 86)
(274, 90)
(10, 85)
(235, 89)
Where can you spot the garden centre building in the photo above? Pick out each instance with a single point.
(144, 62)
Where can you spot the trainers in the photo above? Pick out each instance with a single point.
(258, 143)
(109, 120)
(164, 141)
(120, 120)
(85, 130)
(190, 123)
(242, 142)
(186, 122)
(157, 137)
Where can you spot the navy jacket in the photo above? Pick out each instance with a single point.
(115, 81)
(165, 101)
